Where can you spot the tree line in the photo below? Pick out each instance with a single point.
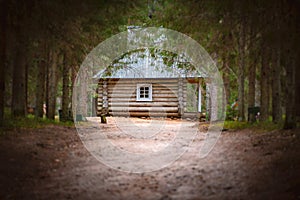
(42, 46)
(254, 43)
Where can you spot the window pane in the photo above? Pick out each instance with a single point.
(144, 92)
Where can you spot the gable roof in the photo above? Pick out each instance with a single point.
(149, 67)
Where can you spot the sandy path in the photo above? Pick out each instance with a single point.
(52, 163)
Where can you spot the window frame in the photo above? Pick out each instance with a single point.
(138, 92)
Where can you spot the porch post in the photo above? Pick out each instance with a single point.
(199, 96)
(180, 97)
(208, 101)
(105, 98)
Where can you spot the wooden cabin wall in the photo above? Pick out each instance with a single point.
(121, 95)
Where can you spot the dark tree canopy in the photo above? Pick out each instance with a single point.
(254, 43)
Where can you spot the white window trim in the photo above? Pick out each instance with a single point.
(138, 86)
(199, 97)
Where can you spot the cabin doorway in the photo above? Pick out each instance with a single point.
(193, 97)
(192, 93)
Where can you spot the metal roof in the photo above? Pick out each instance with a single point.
(149, 67)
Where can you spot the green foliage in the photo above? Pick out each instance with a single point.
(78, 26)
(236, 125)
(267, 126)
(257, 126)
(231, 114)
(31, 122)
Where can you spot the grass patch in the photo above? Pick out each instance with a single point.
(267, 126)
(31, 122)
(236, 125)
(259, 126)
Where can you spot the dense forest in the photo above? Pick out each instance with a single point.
(255, 45)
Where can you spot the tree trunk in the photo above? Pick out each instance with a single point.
(47, 80)
(292, 60)
(65, 90)
(251, 91)
(226, 79)
(264, 87)
(241, 72)
(290, 119)
(73, 77)
(276, 87)
(19, 84)
(19, 100)
(2, 57)
(298, 89)
(252, 63)
(52, 85)
(83, 99)
(40, 84)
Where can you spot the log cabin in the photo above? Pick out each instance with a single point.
(150, 91)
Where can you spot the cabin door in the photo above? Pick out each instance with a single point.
(193, 98)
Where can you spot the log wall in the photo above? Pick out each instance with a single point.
(117, 97)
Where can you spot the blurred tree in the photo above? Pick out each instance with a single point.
(3, 27)
(244, 37)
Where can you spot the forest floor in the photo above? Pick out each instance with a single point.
(52, 163)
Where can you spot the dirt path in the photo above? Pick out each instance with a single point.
(52, 163)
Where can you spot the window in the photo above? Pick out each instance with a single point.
(144, 92)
